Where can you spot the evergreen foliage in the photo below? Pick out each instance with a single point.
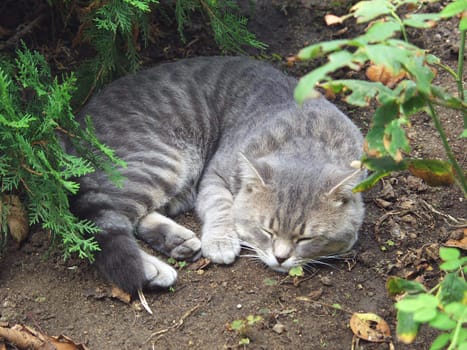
(34, 111)
(230, 31)
(113, 29)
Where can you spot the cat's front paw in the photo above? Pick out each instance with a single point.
(157, 272)
(221, 249)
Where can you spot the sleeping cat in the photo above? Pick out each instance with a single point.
(223, 136)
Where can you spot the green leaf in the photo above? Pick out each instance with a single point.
(463, 24)
(457, 310)
(435, 172)
(454, 8)
(413, 303)
(397, 137)
(296, 271)
(424, 315)
(421, 20)
(237, 325)
(370, 181)
(443, 322)
(380, 31)
(407, 327)
(244, 341)
(464, 133)
(447, 253)
(383, 164)
(365, 11)
(441, 341)
(384, 115)
(321, 49)
(305, 87)
(413, 104)
(396, 285)
(252, 319)
(447, 98)
(269, 282)
(452, 289)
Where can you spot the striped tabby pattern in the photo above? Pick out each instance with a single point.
(222, 135)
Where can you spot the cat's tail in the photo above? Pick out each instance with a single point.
(122, 260)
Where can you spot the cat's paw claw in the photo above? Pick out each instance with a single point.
(221, 252)
(157, 273)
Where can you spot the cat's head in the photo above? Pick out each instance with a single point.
(289, 215)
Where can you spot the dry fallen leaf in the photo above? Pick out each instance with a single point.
(333, 19)
(17, 218)
(384, 75)
(371, 327)
(458, 243)
(24, 337)
(121, 295)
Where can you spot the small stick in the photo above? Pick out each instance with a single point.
(14, 39)
(144, 302)
(459, 222)
(176, 325)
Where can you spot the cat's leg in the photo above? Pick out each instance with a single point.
(168, 237)
(219, 240)
(122, 261)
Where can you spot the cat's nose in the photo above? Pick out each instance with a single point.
(280, 260)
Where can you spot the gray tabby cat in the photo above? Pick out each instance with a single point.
(222, 135)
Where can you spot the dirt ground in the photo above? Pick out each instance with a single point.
(405, 224)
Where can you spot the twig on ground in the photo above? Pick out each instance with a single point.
(452, 221)
(178, 324)
(27, 28)
(144, 302)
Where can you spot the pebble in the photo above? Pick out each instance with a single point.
(239, 306)
(279, 328)
(326, 281)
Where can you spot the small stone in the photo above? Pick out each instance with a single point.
(239, 306)
(279, 328)
(326, 281)
(137, 306)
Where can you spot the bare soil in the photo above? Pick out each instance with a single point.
(404, 227)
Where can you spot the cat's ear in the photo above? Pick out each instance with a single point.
(341, 193)
(250, 174)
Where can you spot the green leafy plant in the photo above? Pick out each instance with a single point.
(34, 110)
(444, 307)
(401, 82)
(243, 326)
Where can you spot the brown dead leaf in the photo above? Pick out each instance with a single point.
(25, 337)
(17, 218)
(63, 342)
(384, 75)
(315, 294)
(199, 264)
(291, 60)
(121, 295)
(461, 242)
(333, 19)
(371, 327)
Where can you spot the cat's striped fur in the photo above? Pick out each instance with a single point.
(223, 135)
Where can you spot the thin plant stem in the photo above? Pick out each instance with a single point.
(455, 336)
(447, 148)
(460, 71)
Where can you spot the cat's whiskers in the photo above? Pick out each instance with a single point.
(305, 262)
